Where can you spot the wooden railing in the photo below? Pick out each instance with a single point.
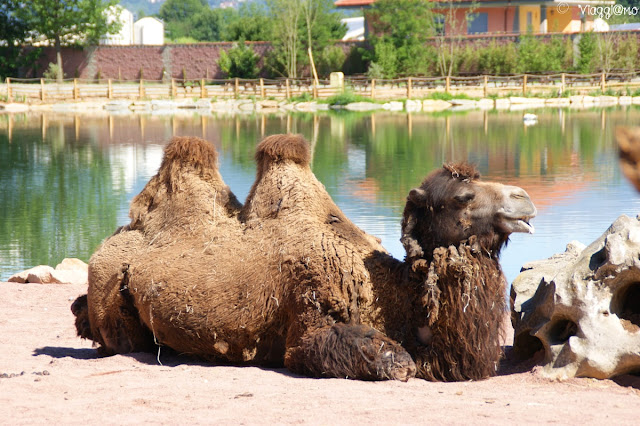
(24, 90)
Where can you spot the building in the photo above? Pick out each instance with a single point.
(148, 31)
(507, 16)
(124, 37)
(355, 28)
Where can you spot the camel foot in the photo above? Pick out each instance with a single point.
(351, 351)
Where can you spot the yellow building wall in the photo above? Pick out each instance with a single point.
(559, 22)
(535, 19)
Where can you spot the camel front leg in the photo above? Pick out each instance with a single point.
(353, 351)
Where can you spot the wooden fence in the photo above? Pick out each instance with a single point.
(24, 90)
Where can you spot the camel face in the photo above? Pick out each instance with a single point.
(452, 205)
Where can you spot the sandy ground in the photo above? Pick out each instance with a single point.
(48, 375)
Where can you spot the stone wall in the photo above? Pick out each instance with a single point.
(127, 62)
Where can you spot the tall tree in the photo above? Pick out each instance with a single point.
(178, 15)
(400, 29)
(66, 22)
(301, 24)
(13, 31)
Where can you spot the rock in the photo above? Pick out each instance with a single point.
(247, 106)
(486, 103)
(363, 106)
(503, 103)
(576, 99)
(69, 271)
(117, 105)
(72, 264)
(588, 100)
(163, 104)
(203, 104)
(393, 106)
(635, 100)
(140, 106)
(582, 307)
(268, 104)
(42, 274)
(558, 102)
(11, 107)
(606, 100)
(516, 100)
(412, 106)
(464, 103)
(625, 100)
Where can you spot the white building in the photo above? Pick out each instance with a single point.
(355, 28)
(125, 36)
(148, 31)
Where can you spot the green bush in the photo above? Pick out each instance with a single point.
(347, 97)
(587, 59)
(331, 59)
(52, 72)
(499, 59)
(626, 54)
(240, 61)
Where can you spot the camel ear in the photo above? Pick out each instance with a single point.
(417, 196)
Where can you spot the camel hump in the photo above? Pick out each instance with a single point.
(191, 150)
(276, 148)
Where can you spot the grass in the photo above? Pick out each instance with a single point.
(347, 97)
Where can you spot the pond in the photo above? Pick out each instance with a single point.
(66, 180)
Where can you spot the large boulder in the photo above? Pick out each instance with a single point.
(69, 271)
(582, 307)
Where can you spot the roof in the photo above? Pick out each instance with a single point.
(487, 3)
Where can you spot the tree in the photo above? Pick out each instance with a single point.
(66, 22)
(240, 61)
(300, 24)
(178, 14)
(251, 23)
(13, 31)
(400, 30)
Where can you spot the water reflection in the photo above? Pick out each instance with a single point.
(67, 179)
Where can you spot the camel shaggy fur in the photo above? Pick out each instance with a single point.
(288, 279)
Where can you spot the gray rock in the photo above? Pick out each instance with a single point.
(582, 307)
(363, 106)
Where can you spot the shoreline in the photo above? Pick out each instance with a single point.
(248, 106)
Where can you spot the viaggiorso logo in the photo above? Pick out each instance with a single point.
(603, 12)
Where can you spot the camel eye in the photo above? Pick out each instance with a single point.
(464, 198)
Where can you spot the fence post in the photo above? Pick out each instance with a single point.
(236, 88)
(42, 95)
(524, 85)
(603, 84)
(203, 94)
(409, 88)
(288, 89)
(562, 83)
(109, 89)
(141, 93)
(486, 86)
(373, 88)
(9, 92)
(447, 84)
(75, 89)
(262, 88)
(174, 90)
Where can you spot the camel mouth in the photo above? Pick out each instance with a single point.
(521, 225)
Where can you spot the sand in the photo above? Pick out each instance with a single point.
(49, 375)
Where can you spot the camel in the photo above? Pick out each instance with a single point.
(288, 280)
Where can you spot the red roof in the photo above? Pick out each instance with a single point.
(353, 3)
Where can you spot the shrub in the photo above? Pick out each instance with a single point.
(240, 61)
(587, 60)
(331, 59)
(347, 97)
(52, 72)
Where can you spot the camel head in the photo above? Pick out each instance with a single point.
(452, 205)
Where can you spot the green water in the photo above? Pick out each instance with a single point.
(66, 180)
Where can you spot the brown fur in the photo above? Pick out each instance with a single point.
(287, 278)
(629, 151)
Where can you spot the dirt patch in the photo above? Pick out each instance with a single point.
(47, 374)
